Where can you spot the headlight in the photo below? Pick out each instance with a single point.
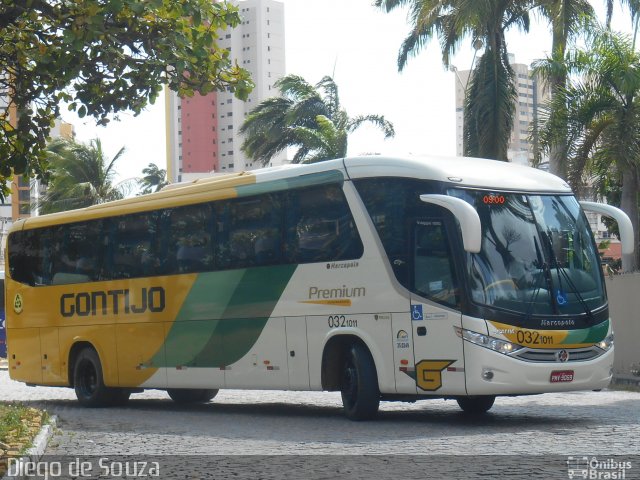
(607, 343)
(485, 341)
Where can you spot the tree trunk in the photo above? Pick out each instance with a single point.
(558, 81)
(629, 205)
(558, 149)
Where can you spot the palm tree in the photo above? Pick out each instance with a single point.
(154, 179)
(565, 18)
(306, 117)
(326, 141)
(566, 21)
(81, 176)
(634, 9)
(600, 113)
(490, 98)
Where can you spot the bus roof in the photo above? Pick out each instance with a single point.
(467, 172)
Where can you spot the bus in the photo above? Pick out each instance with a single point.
(381, 278)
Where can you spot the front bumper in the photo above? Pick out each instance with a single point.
(513, 376)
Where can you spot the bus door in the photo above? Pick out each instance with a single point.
(435, 309)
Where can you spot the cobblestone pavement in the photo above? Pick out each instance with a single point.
(311, 423)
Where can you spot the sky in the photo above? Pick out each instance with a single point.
(357, 44)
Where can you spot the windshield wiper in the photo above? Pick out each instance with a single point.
(561, 271)
(540, 280)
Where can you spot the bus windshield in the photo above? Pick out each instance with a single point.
(538, 255)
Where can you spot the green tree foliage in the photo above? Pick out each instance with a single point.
(306, 117)
(599, 112)
(102, 57)
(81, 176)
(632, 5)
(153, 179)
(489, 104)
(566, 20)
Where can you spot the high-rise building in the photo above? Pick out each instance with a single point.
(531, 94)
(202, 131)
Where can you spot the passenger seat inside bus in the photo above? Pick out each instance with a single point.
(83, 266)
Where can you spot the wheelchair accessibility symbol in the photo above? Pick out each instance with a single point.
(561, 298)
(416, 313)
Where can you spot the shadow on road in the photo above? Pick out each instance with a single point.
(296, 422)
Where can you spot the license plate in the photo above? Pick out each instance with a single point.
(558, 376)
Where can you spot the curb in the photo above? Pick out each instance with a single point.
(37, 449)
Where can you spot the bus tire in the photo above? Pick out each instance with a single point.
(191, 395)
(476, 405)
(359, 386)
(88, 381)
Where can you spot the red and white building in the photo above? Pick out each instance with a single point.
(202, 131)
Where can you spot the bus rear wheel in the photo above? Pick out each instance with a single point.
(88, 381)
(191, 395)
(360, 393)
(476, 405)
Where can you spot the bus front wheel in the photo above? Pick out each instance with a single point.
(88, 381)
(191, 395)
(476, 405)
(360, 393)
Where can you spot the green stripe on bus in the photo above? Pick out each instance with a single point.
(223, 316)
(197, 320)
(590, 335)
(312, 179)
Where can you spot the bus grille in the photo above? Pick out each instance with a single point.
(575, 355)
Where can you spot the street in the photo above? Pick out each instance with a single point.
(550, 426)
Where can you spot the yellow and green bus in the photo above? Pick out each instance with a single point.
(383, 278)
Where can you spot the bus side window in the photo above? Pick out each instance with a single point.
(89, 257)
(268, 246)
(69, 253)
(132, 250)
(250, 232)
(386, 203)
(434, 273)
(320, 227)
(190, 247)
(26, 257)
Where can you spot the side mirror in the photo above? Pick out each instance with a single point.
(466, 216)
(624, 223)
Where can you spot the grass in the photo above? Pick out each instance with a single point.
(18, 427)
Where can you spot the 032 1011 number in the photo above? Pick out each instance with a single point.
(340, 321)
